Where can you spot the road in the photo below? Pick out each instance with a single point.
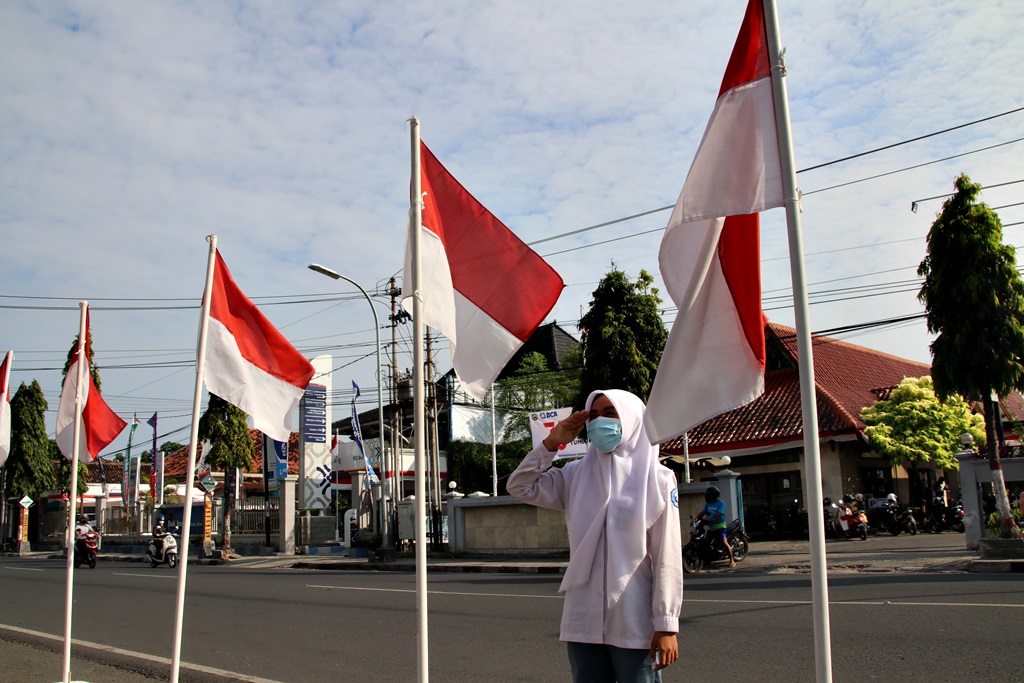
(301, 625)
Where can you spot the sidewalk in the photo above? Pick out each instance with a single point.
(943, 552)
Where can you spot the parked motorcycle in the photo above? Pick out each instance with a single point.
(897, 519)
(163, 549)
(85, 549)
(942, 517)
(703, 549)
(852, 522)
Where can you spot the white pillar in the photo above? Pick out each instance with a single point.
(288, 492)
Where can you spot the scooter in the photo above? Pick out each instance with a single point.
(943, 517)
(852, 523)
(166, 553)
(898, 520)
(703, 549)
(85, 549)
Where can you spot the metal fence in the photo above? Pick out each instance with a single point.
(249, 515)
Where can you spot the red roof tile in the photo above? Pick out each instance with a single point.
(847, 377)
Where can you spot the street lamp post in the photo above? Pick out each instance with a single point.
(385, 512)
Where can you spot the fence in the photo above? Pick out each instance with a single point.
(249, 515)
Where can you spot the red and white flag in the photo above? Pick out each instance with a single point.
(483, 287)
(5, 407)
(100, 424)
(249, 363)
(710, 261)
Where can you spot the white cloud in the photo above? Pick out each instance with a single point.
(129, 132)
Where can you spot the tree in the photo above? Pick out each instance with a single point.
(974, 298)
(534, 386)
(915, 426)
(225, 427)
(623, 336)
(29, 466)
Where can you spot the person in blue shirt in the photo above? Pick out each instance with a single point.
(714, 512)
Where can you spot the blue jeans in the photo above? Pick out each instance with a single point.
(594, 663)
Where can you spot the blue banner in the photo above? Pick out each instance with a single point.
(357, 436)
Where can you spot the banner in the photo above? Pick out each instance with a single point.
(357, 436)
(315, 443)
(541, 424)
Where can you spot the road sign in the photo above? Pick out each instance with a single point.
(26, 502)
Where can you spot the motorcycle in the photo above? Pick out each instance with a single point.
(703, 549)
(856, 523)
(943, 517)
(85, 549)
(167, 552)
(898, 519)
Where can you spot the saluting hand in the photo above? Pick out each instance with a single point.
(566, 430)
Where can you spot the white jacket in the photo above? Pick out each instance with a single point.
(651, 601)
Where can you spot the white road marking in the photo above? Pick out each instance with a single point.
(411, 590)
(859, 603)
(149, 576)
(25, 569)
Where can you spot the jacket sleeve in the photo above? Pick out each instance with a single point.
(665, 547)
(534, 482)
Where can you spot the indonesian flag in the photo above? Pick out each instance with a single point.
(100, 424)
(249, 363)
(483, 288)
(5, 407)
(710, 260)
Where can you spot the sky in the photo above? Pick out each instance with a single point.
(131, 131)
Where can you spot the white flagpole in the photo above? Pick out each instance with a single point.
(73, 493)
(415, 227)
(204, 323)
(494, 450)
(808, 399)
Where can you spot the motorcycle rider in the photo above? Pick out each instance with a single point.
(84, 527)
(714, 512)
(159, 531)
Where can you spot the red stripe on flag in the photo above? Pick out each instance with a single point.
(749, 60)
(739, 252)
(102, 425)
(490, 266)
(258, 340)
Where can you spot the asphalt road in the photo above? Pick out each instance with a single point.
(303, 625)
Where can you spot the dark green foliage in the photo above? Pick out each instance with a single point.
(469, 464)
(72, 355)
(623, 336)
(225, 427)
(29, 466)
(974, 297)
(535, 387)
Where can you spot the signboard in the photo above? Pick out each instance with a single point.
(315, 444)
(541, 424)
(26, 502)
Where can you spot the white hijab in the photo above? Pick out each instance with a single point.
(615, 496)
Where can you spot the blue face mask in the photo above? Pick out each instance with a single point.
(605, 433)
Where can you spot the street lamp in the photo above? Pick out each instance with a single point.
(323, 270)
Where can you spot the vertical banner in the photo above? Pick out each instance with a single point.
(157, 477)
(357, 436)
(133, 472)
(315, 444)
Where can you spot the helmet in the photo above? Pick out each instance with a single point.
(891, 498)
(711, 494)
(82, 519)
(859, 497)
(826, 501)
